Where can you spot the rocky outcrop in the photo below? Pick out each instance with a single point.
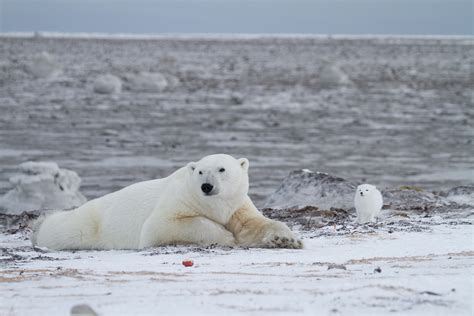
(315, 199)
(307, 188)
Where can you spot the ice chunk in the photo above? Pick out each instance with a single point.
(40, 186)
(44, 65)
(147, 82)
(107, 84)
(332, 76)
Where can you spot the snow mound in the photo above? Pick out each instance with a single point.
(44, 65)
(147, 82)
(40, 186)
(107, 84)
(332, 76)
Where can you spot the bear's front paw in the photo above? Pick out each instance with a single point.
(228, 241)
(278, 235)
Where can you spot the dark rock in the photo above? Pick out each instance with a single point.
(12, 223)
(461, 190)
(413, 200)
(337, 266)
(461, 195)
(82, 310)
(308, 217)
(306, 188)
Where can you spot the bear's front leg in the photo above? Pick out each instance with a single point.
(197, 230)
(252, 229)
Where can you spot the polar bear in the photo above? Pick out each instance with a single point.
(203, 203)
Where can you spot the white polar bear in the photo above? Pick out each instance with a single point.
(203, 203)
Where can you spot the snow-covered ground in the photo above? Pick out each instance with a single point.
(399, 273)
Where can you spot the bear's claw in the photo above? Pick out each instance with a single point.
(284, 242)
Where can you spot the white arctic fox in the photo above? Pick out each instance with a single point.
(368, 202)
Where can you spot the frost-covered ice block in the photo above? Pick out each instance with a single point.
(146, 82)
(107, 84)
(41, 186)
(44, 65)
(332, 76)
(306, 188)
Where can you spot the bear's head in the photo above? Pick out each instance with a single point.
(365, 190)
(219, 176)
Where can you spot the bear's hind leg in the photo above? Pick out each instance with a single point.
(68, 230)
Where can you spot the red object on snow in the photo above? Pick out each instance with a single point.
(188, 263)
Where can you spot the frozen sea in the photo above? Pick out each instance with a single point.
(391, 111)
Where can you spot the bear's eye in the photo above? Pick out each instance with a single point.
(367, 190)
(221, 170)
(200, 172)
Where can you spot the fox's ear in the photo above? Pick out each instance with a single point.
(191, 166)
(244, 163)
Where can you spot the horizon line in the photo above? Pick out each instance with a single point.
(224, 36)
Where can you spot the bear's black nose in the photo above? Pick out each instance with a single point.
(207, 187)
(362, 193)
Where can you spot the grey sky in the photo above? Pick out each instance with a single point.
(245, 16)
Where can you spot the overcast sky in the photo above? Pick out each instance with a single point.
(440, 17)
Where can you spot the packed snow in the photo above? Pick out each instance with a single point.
(409, 273)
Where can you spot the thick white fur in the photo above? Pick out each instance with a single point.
(172, 210)
(368, 202)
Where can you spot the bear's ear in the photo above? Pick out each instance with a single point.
(244, 163)
(191, 166)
